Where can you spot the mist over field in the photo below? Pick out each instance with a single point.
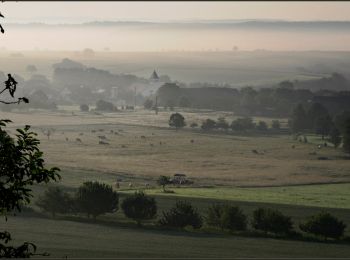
(194, 36)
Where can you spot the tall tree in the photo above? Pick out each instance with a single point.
(299, 119)
(334, 137)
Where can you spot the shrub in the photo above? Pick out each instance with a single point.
(269, 220)
(84, 108)
(94, 198)
(226, 217)
(194, 125)
(177, 120)
(262, 126)
(324, 224)
(139, 207)
(55, 201)
(182, 215)
(102, 105)
(222, 123)
(241, 124)
(208, 124)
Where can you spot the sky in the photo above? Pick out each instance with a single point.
(77, 12)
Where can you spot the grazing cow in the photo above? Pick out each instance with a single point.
(143, 137)
(93, 131)
(116, 133)
(123, 146)
(130, 185)
(104, 143)
(78, 140)
(293, 146)
(81, 134)
(102, 137)
(111, 131)
(151, 145)
(192, 141)
(152, 133)
(160, 143)
(147, 185)
(101, 130)
(66, 139)
(255, 151)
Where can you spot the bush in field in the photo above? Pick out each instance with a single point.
(177, 120)
(94, 198)
(54, 200)
(182, 215)
(102, 105)
(242, 124)
(84, 108)
(139, 207)
(163, 180)
(222, 124)
(324, 224)
(208, 124)
(226, 217)
(276, 124)
(346, 136)
(262, 126)
(269, 220)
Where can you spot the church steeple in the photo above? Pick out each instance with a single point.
(154, 76)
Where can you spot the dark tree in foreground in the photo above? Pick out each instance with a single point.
(299, 119)
(54, 200)
(324, 224)
(182, 215)
(226, 217)
(22, 166)
(269, 220)
(177, 120)
(163, 180)
(139, 207)
(94, 198)
(208, 124)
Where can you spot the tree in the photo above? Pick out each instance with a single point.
(222, 123)
(340, 120)
(316, 111)
(102, 105)
(276, 124)
(324, 224)
(94, 198)
(139, 207)
(55, 201)
(177, 120)
(22, 166)
(184, 102)
(262, 126)
(163, 180)
(346, 137)
(84, 108)
(242, 124)
(299, 119)
(208, 124)
(269, 220)
(226, 217)
(182, 215)
(148, 104)
(334, 137)
(323, 125)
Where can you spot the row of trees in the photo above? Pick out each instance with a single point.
(94, 199)
(318, 120)
(240, 124)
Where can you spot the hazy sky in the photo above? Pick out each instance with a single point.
(62, 12)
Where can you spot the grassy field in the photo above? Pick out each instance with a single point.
(213, 158)
(222, 166)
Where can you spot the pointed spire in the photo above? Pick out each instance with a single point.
(154, 76)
